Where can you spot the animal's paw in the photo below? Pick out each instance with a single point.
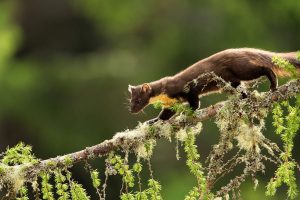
(152, 121)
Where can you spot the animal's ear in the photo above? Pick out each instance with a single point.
(130, 88)
(146, 87)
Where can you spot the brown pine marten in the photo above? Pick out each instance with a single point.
(232, 65)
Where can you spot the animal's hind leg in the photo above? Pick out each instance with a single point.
(272, 77)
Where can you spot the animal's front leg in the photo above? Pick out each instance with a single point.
(194, 102)
(165, 114)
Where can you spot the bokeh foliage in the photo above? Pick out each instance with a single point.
(65, 65)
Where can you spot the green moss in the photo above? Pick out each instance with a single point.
(19, 154)
(47, 187)
(195, 167)
(154, 189)
(95, 178)
(158, 105)
(78, 192)
(51, 164)
(2, 170)
(182, 108)
(61, 185)
(284, 64)
(68, 161)
(137, 167)
(23, 193)
(123, 169)
(287, 127)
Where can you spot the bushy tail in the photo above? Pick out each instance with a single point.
(279, 64)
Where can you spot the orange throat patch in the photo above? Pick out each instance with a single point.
(164, 99)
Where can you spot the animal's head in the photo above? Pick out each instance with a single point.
(140, 96)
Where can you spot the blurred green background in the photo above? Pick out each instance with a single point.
(65, 66)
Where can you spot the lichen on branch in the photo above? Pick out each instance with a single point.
(241, 124)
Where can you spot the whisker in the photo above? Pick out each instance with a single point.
(127, 97)
(127, 101)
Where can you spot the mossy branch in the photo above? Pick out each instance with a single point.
(134, 137)
(140, 140)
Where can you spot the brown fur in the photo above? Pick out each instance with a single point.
(232, 65)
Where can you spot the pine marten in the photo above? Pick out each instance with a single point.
(232, 65)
